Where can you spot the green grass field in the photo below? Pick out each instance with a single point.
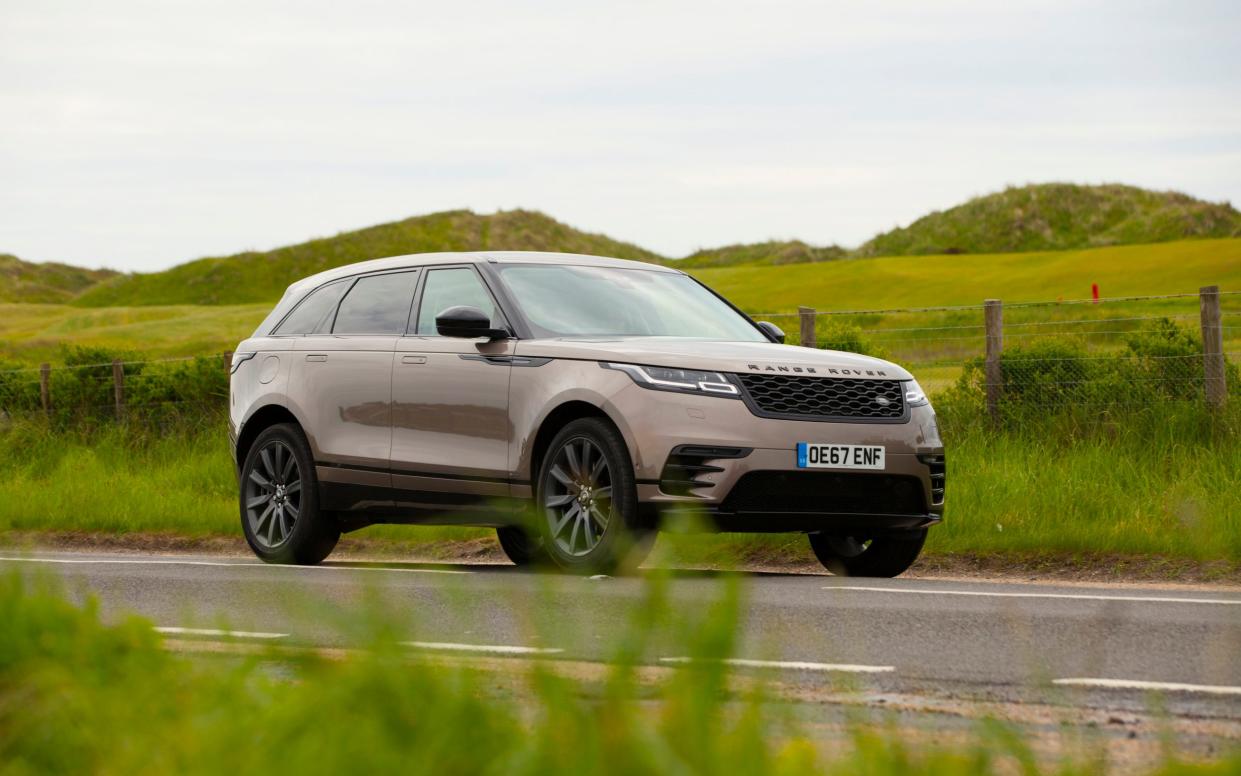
(934, 281)
(33, 333)
(1158, 491)
(30, 334)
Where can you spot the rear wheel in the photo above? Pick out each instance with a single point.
(280, 500)
(587, 502)
(884, 556)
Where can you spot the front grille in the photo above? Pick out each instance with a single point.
(824, 398)
(939, 472)
(826, 493)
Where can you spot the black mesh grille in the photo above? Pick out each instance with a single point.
(827, 493)
(824, 397)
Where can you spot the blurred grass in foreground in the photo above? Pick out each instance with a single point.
(1162, 487)
(77, 696)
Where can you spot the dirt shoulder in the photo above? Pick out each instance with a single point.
(1094, 569)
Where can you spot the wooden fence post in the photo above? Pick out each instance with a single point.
(45, 388)
(118, 388)
(807, 316)
(1212, 347)
(228, 362)
(993, 311)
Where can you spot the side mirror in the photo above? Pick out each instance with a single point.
(468, 323)
(773, 331)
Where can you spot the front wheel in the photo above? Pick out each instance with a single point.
(280, 500)
(587, 501)
(521, 546)
(884, 556)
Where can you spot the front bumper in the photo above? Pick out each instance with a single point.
(760, 487)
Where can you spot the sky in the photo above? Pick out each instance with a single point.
(138, 135)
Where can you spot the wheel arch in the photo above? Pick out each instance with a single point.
(559, 417)
(263, 418)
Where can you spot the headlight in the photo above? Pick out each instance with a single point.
(914, 395)
(662, 378)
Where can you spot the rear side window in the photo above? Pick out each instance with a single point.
(377, 304)
(451, 288)
(314, 313)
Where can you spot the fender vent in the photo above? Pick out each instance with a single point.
(686, 463)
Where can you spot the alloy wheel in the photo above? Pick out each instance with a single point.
(577, 497)
(273, 494)
(848, 546)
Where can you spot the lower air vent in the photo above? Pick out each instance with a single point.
(687, 463)
(939, 472)
(852, 493)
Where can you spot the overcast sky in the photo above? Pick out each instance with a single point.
(138, 135)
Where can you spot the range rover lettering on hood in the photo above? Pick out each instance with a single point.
(827, 370)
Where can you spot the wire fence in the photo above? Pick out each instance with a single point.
(1001, 359)
(1116, 354)
(88, 389)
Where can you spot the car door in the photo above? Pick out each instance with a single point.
(342, 381)
(450, 426)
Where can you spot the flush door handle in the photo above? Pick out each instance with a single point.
(316, 357)
(413, 359)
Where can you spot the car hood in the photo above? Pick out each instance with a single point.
(717, 356)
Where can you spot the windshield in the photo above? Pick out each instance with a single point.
(569, 301)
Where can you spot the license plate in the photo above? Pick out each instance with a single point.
(812, 455)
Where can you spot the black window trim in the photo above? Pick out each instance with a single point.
(351, 280)
(416, 271)
(514, 323)
(307, 295)
(422, 282)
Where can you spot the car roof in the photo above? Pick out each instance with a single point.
(474, 257)
(300, 288)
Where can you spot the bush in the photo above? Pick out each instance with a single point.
(835, 335)
(82, 389)
(1159, 372)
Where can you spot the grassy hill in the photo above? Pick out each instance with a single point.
(24, 281)
(1058, 216)
(1045, 217)
(262, 277)
(764, 253)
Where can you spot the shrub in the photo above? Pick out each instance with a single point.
(83, 395)
(1060, 379)
(835, 335)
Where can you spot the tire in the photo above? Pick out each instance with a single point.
(279, 500)
(885, 556)
(586, 501)
(521, 546)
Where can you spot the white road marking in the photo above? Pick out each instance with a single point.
(492, 649)
(795, 665)
(254, 565)
(171, 631)
(1137, 684)
(1072, 596)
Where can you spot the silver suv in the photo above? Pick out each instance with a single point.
(575, 404)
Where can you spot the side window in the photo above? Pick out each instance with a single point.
(449, 288)
(377, 304)
(315, 311)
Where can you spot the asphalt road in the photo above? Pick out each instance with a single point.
(1106, 647)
